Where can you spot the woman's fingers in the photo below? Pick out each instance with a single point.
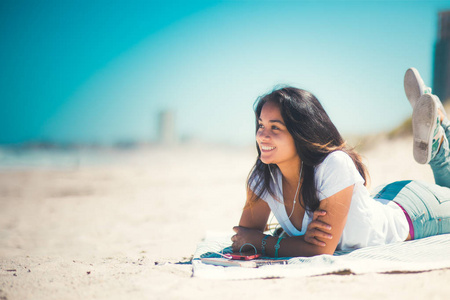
(317, 233)
(319, 225)
(319, 213)
(238, 239)
(315, 241)
(313, 235)
(318, 230)
(246, 238)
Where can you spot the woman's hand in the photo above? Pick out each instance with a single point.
(246, 236)
(318, 229)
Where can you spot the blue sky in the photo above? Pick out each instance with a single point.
(101, 71)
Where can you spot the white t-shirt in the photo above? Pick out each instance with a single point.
(369, 222)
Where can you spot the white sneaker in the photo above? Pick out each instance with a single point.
(427, 129)
(415, 88)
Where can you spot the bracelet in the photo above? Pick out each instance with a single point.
(263, 245)
(240, 250)
(277, 246)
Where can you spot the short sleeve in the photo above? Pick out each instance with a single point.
(336, 173)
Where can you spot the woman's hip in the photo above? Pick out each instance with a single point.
(427, 205)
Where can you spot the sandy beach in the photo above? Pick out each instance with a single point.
(116, 224)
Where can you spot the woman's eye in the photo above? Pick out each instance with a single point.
(260, 126)
(275, 128)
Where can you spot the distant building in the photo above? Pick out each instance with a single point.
(441, 73)
(167, 129)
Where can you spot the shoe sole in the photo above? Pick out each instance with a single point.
(424, 124)
(412, 84)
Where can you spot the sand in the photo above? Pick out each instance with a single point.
(110, 224)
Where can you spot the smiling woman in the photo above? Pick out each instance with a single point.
(275, 142)
(301, 131)
(294, 135)
(303, 159)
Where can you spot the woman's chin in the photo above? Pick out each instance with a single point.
(266, 160)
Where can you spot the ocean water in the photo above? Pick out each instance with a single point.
(23, 158)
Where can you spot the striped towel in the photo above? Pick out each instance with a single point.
(413, 256)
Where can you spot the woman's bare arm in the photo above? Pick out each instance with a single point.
(336, 206)
(318, 229)
(255, 216)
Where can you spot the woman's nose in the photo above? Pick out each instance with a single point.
(262, 135)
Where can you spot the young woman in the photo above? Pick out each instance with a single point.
(315, 184)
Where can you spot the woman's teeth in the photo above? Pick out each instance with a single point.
(267, 148)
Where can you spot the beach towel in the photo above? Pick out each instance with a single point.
(404, 257)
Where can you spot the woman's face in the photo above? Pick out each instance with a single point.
(274, 140)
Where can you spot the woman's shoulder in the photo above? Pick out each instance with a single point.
(336, 172)
(338, 165)
(337, 157)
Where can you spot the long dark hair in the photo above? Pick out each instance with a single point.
(315, 137)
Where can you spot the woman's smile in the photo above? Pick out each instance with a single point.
(275, 142)
(265, 148)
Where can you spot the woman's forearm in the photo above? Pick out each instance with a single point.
(292, 247)
(287, 247)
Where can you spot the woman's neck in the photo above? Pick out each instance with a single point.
(291, 172)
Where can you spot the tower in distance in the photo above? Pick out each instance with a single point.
(441, 69)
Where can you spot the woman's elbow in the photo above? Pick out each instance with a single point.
(319, 250)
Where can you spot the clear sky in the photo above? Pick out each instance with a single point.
(101, 71)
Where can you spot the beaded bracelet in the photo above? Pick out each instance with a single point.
(263, 245)
(277, 246)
